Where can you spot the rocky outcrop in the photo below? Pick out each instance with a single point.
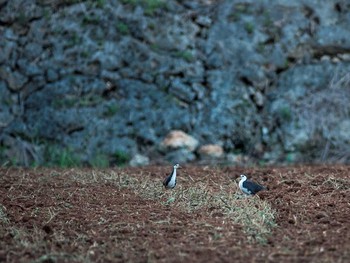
(81, 80)
(177, 140)
(211, 151)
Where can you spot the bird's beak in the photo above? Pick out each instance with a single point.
(180, 167)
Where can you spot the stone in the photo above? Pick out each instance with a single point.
(177, 139)
(205, 21)
(211, 150)
(180, 156)
(237, 159)
(181, 90)
(15, 80)
(139, 160)
(344, 131)
(51, 75)
(28, 68)
(7, 46)
(5, 118)
(259, 98)
(33, 50)
(237, 74)
(21, 152)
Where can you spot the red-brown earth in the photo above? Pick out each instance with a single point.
(84, 215)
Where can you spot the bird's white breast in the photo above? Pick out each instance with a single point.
(244, 190)
(172, 180)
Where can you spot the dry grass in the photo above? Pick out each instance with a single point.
(338, 183)
(120, 215)
(3, 216)
(256, 216)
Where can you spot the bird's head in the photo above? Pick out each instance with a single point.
(177, 166)
(243, 177)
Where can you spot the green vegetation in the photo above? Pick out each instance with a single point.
(285, 113)
(90, 20)
(121, 158)
(242, 8)
(22, 18)
(239, 9)
(185, 55)
(60, 157)
(47, 13)
(71, 101)
(68, 102)
(100, 160)
(85, 54)
(74, 40)
(267, 22)
(111, 110)
(249, 27)
(261, 47)
(130, 2)
(2, 155)
(234, 17)
(5, 161)
(290, 157)
(151, 26)
(123, 28)
(99, 3)
(71, 2)
(154, 47)
(150, 6)
(89, 100)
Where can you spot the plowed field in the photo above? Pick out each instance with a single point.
(125, 215)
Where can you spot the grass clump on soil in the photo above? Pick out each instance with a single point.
(256, 216)
(3, 216)
(337, 183)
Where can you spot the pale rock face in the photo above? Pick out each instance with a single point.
(177, 139)
(344, 131)
(139, 160)
(237, 158)
(211, 150)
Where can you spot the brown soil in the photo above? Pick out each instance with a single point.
(48, 215)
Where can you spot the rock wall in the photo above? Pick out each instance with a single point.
(101, 82)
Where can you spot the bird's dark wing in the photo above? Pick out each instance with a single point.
(253, 187)
(167, 180)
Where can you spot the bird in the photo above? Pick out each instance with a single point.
(170, 181)
(249, 187)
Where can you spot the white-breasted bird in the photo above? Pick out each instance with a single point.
(249, 187)
(170, 181)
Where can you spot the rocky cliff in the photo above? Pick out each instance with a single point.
(105, 82)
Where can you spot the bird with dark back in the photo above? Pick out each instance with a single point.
(170, 181)
(249, 187)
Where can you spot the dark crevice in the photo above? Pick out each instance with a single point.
(109, 90)
(330, 50)
(316, 19)
(246, 81)
(290, 60)
(281, 70)
(270, 41)
(141, 141)
(2, 5)
(308, 11)
(5, 23)
(338, 7)
(74, 129)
